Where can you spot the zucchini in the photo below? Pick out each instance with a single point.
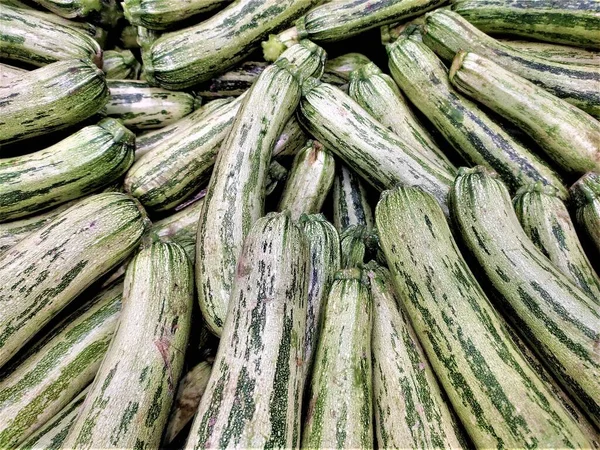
(498, 397)
(291, 139)
(129, 401)
(233, 82)
(57, 367)
(181, 226)
(447, 33)
(338, 70)
(411, 411)
(50, 98)
(350, 202)
(190, 56)
(86, 161)
(71, 8)
(568, 22)
(472, 133)
(45, 271)
(254, 394)
(275, 175)
(310, 179)
(585, 194)
(568, 136)
(165, 14)
(365, 145)
(8, 73)
(120, 65)
(554, 52)
(340, 412)
(555, 317)
(545, 219)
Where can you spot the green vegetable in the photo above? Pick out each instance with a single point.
(585, 194)
(120, 65)
(350, 202)
(164, 14)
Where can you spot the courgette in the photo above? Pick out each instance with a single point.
(71, 8)
(233, 82)
(8, 72)
(338, 70)
(291, 139)
(350, 202)
(120, 65)
(585, 194)
(164, 14)
(180, 226)
(554, 52)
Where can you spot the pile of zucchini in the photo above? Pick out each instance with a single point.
(299, 223)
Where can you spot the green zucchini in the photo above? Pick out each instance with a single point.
(253, 398)
(411, 411)
(585, 194)
(350, 202)
(190, 56)
(447, 33)
(45, 271)
(472, 133)
(554, 316)
(8, 72)
(130, 399)
(165, 14)
(567, 22)
(145, 38)
(498, 397)
(50, 98)
(120, 65)
(291, 139)
(71, 8)
(128, 38)
(554, 52)
(182, 225)
(86, 161)
(233, 82)
(338, 70)
(57, 367)
(390, 33)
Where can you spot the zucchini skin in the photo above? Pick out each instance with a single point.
(557, 319)
(86, 161)
(554, 52)
(129, 401)
(350, 202)
(569, 22)
(545, 219)
(45, 271)
(339, 70)
(291, 139)
(8, 72)
(50, 98)
(233, 82)
(57, 367)
(254, 395)
(585, 195)
(498, 397)
(71, 8)
(446, 33)
(120, 65)
(181, 226)
(472, 133)
(164, 14)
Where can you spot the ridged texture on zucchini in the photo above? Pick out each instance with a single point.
(496, 394)
(233, 82)
(71, 8)
(129, 401)
(350, 202)
(50, 267)
(120, 65)
(50, 98)
(554, 316)
(585, 194)
(164, 14)
(254, 395)
(8, 72)
(555, 52)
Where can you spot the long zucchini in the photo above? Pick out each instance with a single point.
(585, 194)
(254, 395)
(120, 65)
(350, 202)
(164, 14)
(496, 394)
(554, 316)
(233, 82)
(71, 8)
(50, 267)
(50, 98)
(554, 52)
(129, 401)
(8, 72)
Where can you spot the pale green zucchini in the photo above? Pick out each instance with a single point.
(365, 145)
(182, 225)
(50, 98)
(472, 133)
(573, 22)
(447, 33)
(45, 271)
(233, 82)
(585, 194)
(309, 181)
(411, 411)
(338, 70)
(8, 72)
(358, 244)
(350, 202)
(57, 367)
(555, 317)
(568, 136)
(545, 219)
(130, 399)
(254, 395)
(390, 33)
(71, 8)
(120, 65)
(554, 52)
(164, 14)
(145, 38)
(498, 397)
(86, 161)
(291, 139)
(190, 56)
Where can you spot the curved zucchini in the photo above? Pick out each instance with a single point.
(164, 14)
(129, 401)
(254, 395)
(233, 82)
(554, 316)
(585, 194)
(45, 271)
(472, 133)
(350, 202)
(496, 394)
(554, 52)
(50, 98)
(120, 65)
(71, 8)
(8, 72)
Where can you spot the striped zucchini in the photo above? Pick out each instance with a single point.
(254, 395)
(93, 157)
(340, 412)
(129, 401)
(8, 72)
(446, 33)
(585, 194)
(182, 225)
(165, 14)
(235, 196)
(353, 246)
(365, 145)
(350, 202)
(378, 94)
(554, 52)
(50, 267)
(496, 394)
(190, 56)
(291, 139)
(50, 98)
(472, 133)
(145, 38)
(309, 181)
(71, 8)
(411, 411)
(120, 65)
(338, 70)
(233, 82)
(568, 136)
(554, 316)
(545, 219)
(572, 22)
(57, 367)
